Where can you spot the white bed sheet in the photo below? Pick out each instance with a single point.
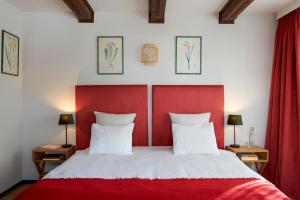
(152, 163)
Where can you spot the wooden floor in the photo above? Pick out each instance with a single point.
(15, 192)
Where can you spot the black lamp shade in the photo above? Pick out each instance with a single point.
(235, 120)
(66, 119)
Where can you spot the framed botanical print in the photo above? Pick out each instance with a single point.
(188, 55)
(10, 54)
(110, 55)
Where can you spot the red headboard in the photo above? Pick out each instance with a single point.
(185, 99)
(111, 99)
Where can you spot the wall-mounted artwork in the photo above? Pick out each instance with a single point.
(10, 54)
(110, 55)
(188, 54)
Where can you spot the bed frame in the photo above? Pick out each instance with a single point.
(134, 98)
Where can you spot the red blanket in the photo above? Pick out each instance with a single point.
(159, 189)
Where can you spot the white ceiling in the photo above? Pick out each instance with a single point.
(201, 6)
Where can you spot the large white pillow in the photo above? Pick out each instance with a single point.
(189, 119)
(115, 140)
(114, 119)
(194, 139)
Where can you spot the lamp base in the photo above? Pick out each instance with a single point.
(66, 145)
(235, 145)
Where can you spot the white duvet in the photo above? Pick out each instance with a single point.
(152, 163)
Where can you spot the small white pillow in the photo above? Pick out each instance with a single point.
(114, 119)
(194, 139)
(190, 119)
(115, 140)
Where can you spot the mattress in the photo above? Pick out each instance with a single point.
(152, 163)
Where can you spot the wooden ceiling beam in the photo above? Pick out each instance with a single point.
(82, 9)
(232, 9)
(157, 11)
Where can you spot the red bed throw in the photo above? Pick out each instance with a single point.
(159, 189)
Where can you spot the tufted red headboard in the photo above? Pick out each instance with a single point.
(111, 99)
(185, 99)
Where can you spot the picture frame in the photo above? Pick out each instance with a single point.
(188, 55)
(10, 48)
(110, 55)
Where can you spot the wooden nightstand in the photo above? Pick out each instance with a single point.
(38, 155)
(263, 156)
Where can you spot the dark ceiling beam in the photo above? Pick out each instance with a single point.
(82, 9)
(157, 11)
(232, 9)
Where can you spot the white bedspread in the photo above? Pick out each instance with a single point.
(152, 163)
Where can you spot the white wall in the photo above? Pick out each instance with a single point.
(60, 53)
(10, 107)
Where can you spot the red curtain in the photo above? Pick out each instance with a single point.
(283, 130)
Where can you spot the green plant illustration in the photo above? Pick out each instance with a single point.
(188, 52)
(110, 52)
(10, 49)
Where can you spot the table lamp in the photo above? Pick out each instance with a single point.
(235, 120)
(65, 119)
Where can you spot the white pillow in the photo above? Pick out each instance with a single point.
(114, 119)
(115, 140)
(190, 119)
(194, 139)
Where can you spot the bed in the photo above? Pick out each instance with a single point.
(151, 172)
